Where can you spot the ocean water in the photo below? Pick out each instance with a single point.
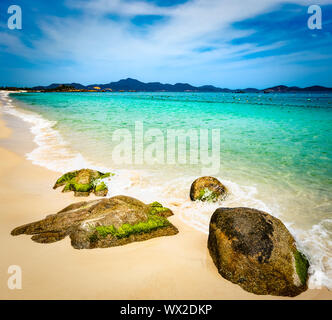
(275, 153)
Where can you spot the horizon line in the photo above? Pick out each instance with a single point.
(165, 84)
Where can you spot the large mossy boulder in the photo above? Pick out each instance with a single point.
(256, 251)
(207, 189)
(83, 182)
(102, 223)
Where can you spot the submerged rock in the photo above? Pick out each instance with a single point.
(255, 250)
(207, 189)
(84, 181)
(102, 223)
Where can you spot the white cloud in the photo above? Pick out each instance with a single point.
(93, 41)
(120, 7)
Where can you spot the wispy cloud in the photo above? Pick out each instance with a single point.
(123, 8)
(189, 41)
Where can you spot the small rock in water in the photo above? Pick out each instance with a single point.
(256, 251)
(83, 182)
(207, 189)
(102, 223)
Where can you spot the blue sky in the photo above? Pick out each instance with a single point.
(227, 43)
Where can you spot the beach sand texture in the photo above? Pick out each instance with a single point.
(176, 267)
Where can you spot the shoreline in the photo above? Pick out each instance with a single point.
(175, 267)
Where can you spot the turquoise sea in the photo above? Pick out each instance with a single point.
(275, 153)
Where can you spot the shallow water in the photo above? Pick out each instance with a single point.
(276, 152)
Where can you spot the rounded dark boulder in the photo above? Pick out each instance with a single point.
(256, 251)
(207, 189)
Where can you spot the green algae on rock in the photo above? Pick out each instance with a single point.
(302, 265)
(102, 223)
(207, 189)
(83, 182)
(157, 208)
(255, 250)
(126, 229)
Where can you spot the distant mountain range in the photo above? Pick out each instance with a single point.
(135, 85)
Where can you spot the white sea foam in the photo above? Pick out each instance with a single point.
(53, 153)
(316, 244)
